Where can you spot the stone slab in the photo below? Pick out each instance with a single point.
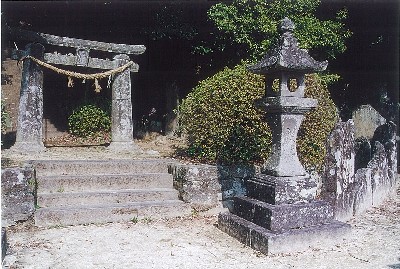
(55, 183)
(281, 190)
(268, 242)
(208, 186)
(17, 194)
(76, 215)
(366, 120)
(95, 167)
(284, 216)
(105, 197)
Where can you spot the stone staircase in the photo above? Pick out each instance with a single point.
(99, 191)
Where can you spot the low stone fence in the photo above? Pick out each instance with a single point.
(17, 194)
(208, 186)
(359, 173)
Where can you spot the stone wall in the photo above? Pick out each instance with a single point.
(17, 194)
(209, 186)
(359, 174)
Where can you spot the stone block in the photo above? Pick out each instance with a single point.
(386, 135)
(3, 243)
(281, 190)
(340, 158)
(284, 216)
(344, 202)
(363, 193)
(380, 181)
(293, 240)
(366, 120)
(207, 186)
(17, 194)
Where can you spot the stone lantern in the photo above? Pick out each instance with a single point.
(280, 212)
(286, 105)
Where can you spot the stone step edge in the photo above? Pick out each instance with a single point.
(108, 191)
(269, 242)
(116, 205)
(38, 176)
(49, 217)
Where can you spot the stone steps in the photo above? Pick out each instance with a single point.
(99, 191)
(71, 183)
(104, 213)
(102, 197)
(99, 167)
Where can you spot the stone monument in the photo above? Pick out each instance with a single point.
(280, 212)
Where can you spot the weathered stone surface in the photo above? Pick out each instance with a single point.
(29, 137)
(366, 120)
(76, 42)
(386, 135)
(353, 193)
(284, 216)
(121, 116)
(283, 160)
(3, 243)
(287, 56)
(380, 180)
(17, 194)
(340, 169)
(268, 242)
(363, 192)
(207, 186)
(281, 190)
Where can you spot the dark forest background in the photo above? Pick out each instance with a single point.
(170, 30)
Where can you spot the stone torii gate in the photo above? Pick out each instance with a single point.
(29, 136)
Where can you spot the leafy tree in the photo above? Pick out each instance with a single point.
(252, 25)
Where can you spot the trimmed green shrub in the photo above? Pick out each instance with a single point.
(88, 120)
(317, 123)
(224, 126)
(221, 121)
(5, 118)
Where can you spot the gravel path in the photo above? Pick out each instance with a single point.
(196, 243)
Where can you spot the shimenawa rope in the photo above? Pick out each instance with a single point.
(71, 74)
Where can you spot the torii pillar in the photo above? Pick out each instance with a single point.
(121, 115)
(29, 136)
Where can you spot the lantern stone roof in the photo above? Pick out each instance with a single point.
(287, 56)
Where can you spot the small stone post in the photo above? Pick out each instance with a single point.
(122, 123)
(29, 137)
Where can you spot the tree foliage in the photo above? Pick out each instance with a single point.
(252, 25)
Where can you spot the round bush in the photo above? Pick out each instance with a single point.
(224, 126)
(88, 120)
(221, 121)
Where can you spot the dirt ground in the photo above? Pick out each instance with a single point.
(196, 242)
(187, 243)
